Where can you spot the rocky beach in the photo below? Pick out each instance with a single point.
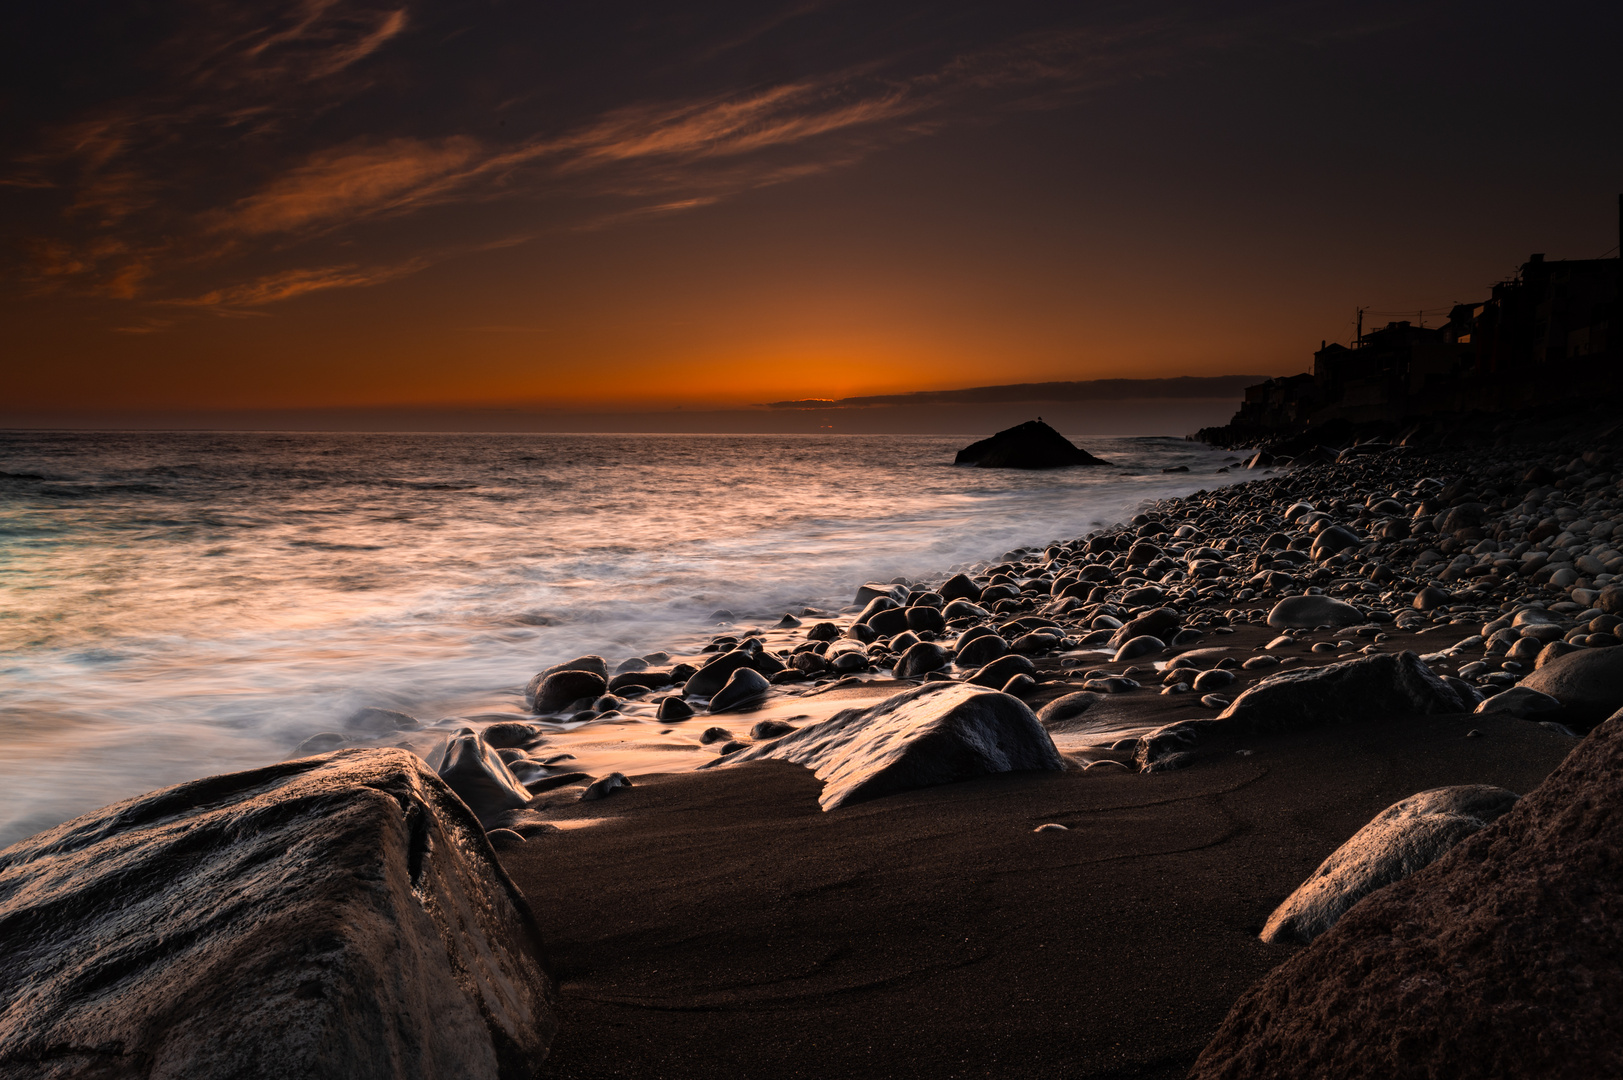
(1308, 773)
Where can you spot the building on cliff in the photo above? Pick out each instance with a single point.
(1547, 333)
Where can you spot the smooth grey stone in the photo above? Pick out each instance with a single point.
(320, 743)
(1215, 679)
(380, 721)
(1143, 645)
(605, 786)
(995, 674)
(982, 649)
(555, 692)
(674, 708)
(1307, 612)
(1401, 839)
(745, 687)
(934, 734)
(481, 778)
(1588, 683)
(1521, 702)
(926, 656)
(309, 919)
(1066, 708)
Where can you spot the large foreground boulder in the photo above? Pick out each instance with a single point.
(1383, 685)
(1502, 958)
(1588, 683)
(1031, 445)
(336, 916)
(935, 734)
(1398, 841)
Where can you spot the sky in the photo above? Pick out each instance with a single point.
(409, 209)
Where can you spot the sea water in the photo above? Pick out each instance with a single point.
(179, 604)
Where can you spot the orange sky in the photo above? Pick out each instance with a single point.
(363, 204)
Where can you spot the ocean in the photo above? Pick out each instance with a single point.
(179, 604)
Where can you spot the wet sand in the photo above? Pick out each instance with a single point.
(720, 924)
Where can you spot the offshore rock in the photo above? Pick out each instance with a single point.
(1502, 958)
(1031, 445)
(1398, 841)
(935, 734)
(338, 916)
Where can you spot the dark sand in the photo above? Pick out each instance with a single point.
(720, 924)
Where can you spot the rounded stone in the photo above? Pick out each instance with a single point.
(1312, 611)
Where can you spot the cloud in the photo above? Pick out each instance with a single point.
(352, 181)
(144, 212)
(1183, 387)
(287, 284)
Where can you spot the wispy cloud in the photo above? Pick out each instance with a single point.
(252, 86)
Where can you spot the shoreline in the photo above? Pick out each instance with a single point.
(694, 920)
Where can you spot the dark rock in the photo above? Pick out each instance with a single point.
(674, 708)
(770, 729)
(340, 916)
(923, 617)
(1311, 611)
(745, 687)
(923, 657)
(1588, 683)
(716, 671)
(321, 743)
(1215, 679)
(1398, 841)
(649, 679)
(605, 786)
(1430, 598)
(1066, 708)
(510, 733)
(481, 778)
(1019, 685)
(823, 631)
(380, 721)
(1521, 702)
(982, 649)
(960, 587)
(1031, 445)
(1386, 684)
(714, 734)
(1160, 623)
(958, 610)
(934, 734)
(1331, 541)
(1001, 670)
(1143, 645)
(1504, 958)
(555, 691)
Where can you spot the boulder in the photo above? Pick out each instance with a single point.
(1386, 684)
(1142, 645)
(1311, 611)
(1502, 958)
(982, 649)
(1588, 683)
(919, 659)
(1031, 445)
(549, 693)
(337, 916)
(744, 687)
(708, 680)
(1065, 708)
(1001, 670)
(1521, 702)
(1398, 841)
(935, 734)
(1335, 539)
(1159, 623)
(959, 587)
(481, 778)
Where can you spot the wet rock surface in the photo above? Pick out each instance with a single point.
(1400, 840)
(1502, 958)
(332, 916)
(936, 734)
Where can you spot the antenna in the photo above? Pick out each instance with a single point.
(1359, 343)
